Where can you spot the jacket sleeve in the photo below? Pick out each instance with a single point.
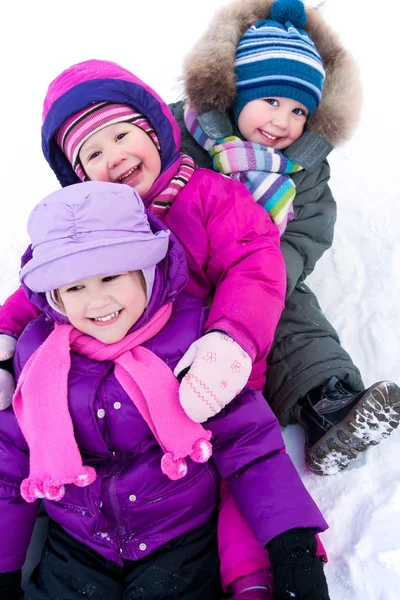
(16, 313)
(17, 516)
(310, 234)
(248, 450)
(232, 246)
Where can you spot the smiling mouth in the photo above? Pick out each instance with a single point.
(128, 174)
(106, 317)
(273, 138)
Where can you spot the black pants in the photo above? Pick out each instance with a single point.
(187, 568)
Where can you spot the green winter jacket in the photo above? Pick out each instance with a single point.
(306, 351)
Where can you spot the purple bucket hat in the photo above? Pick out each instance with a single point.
(88, 229)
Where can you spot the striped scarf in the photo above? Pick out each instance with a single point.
(160, 205)
(264, 171)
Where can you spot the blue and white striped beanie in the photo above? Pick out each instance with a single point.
(275, 58)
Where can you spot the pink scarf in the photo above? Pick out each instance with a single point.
(41, 407)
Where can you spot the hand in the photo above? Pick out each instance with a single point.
(7, 346)
(219, 370)
(7, 389)
(299, 573)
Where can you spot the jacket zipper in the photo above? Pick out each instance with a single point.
(112, 492)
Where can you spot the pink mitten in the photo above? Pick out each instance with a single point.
(7, 388)
(219, 370)
(7, 346)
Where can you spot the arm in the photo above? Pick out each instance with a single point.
(16, 313)
(232, 246)
(248, 450)
(17, 516)
(310, 234)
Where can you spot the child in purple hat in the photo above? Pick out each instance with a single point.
(126, 477)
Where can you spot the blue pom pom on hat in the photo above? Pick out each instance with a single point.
(276, 58)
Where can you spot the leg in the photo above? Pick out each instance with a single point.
(245, 566)
(69, 570)
(306, 353)
(186, 568)
(312, 380)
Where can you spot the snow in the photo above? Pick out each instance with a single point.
(357, 282)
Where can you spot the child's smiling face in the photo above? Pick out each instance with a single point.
(273, 122)
(121, 153)
(105, 307)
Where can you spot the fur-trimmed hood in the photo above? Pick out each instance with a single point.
(209, 76)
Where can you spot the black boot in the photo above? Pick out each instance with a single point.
(338, 424)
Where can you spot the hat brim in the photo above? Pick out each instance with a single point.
(54, 270)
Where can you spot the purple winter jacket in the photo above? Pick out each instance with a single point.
(132, 508)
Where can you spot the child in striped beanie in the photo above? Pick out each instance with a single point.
(265, 71)
(279, 81)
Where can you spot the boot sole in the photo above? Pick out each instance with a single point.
(372, 420)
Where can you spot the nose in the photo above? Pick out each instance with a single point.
(98, 299)
(281, 119)
(115, 158)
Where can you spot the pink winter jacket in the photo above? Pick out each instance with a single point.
(232, 246)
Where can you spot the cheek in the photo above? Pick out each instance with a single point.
(154, 160)
(297, 130)
(245, 125)
(139, 302)
(97, 173)
(73, 310)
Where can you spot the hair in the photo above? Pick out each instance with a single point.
(57, 298)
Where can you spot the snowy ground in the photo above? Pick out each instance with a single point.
(357, 282)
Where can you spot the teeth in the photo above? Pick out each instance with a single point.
(129, 173)
(269, 136)
(108, 317)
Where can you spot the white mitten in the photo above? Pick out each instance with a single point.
(7, 346)
(219, 370)
(7, 388)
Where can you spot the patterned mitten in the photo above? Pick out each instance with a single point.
(7, 385)
(7, 389)
(219, 370)
(7, 346)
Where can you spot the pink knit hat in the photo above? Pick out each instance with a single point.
(84, 123)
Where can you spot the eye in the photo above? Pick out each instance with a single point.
(272, 101)
(74, 288)
(93, 155)
(120, 136)
(110, 278)
(299, 111)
